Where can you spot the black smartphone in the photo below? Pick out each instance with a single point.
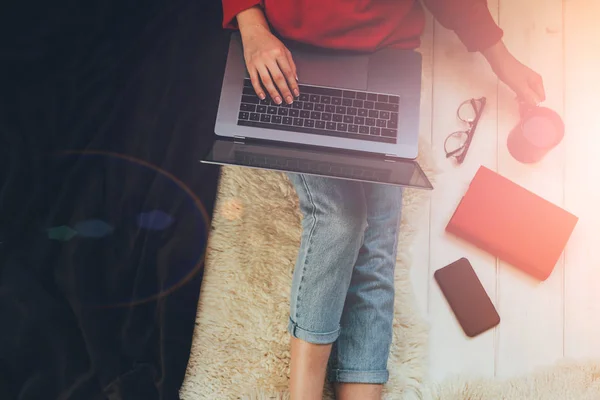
(467, 297)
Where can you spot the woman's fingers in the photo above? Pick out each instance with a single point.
(289, 77)
(268, 83)
(537, 85)
(280, 79)
(274, 71)
(530, 97)
(254, 78)
(525, 93)
(292, 63)
(529, 89)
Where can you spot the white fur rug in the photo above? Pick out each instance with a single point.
(240, 347)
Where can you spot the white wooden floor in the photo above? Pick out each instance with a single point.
(541, 322)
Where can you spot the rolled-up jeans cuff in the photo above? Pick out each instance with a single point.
(312, 337)
(345, 376)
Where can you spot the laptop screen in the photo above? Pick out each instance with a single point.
(318, 161)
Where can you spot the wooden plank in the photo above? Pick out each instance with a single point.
(531, 332)
(458, 76)
(582, 197)
(419, 272)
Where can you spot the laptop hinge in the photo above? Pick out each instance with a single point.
(238, 139)
(389, 158)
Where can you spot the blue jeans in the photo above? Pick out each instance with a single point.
(343, 283)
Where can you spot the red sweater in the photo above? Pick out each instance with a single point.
(368, 25)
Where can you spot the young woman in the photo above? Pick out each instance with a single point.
(343, 286)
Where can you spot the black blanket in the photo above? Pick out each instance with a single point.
(105, 110)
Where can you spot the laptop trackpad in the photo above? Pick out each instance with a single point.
(324, 67)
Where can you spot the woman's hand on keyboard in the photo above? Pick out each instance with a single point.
(267, 59)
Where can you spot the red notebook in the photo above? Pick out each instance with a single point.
(512, 223)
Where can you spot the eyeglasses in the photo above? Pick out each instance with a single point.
(457, 143)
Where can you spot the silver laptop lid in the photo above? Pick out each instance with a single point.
(319, 161)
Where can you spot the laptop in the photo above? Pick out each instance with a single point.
(357, 117)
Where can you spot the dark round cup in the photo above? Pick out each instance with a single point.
(539, 131)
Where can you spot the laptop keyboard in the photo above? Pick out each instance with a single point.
(315, 167)
(325, 111)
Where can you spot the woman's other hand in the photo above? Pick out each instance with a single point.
(267, 59)
(526, 83)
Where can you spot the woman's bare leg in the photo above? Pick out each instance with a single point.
(307, 369)
(358, 391)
